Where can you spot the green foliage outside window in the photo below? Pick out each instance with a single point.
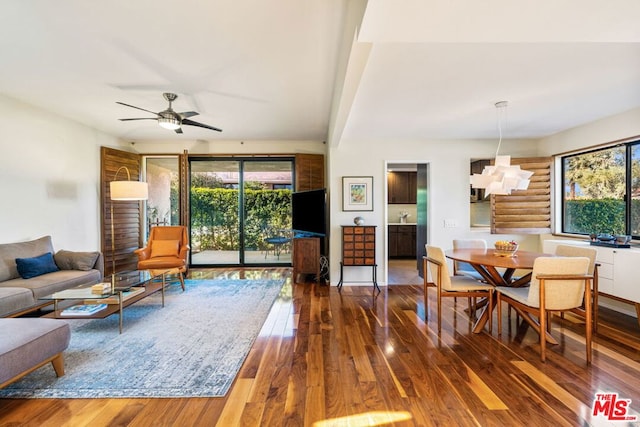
(215, 221)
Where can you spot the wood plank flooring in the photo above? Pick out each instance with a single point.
(325, 358)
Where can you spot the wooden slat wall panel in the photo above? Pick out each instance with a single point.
(525, 211)
(127, 215)
(309, 172)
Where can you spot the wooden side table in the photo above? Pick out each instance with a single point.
(359, 250)
(306, 257)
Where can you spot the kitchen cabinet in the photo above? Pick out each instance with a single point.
(402, 241)
(402, 187)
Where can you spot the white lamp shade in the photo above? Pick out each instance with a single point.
(129, 190)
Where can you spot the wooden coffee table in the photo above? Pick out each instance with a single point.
(151, 282)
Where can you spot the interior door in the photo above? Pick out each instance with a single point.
(421, 213)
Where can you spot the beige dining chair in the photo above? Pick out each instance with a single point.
(591, 253)
(557, 284)
(451, 286)
(462, 268)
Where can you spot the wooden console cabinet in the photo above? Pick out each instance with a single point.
(306, 257)
(359, 249)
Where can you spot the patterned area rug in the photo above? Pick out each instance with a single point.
(193, 347)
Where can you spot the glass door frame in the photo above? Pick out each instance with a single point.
(241, 202)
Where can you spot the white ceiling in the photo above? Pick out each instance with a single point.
(268, 70)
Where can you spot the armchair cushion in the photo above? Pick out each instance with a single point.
(164, 248)
(70, 260)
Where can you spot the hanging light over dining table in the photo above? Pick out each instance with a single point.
(501, 178)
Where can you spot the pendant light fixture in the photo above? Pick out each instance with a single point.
(501, 178)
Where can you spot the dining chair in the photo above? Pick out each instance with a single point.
(451, 286)
(463, 268)
(591, 253)
(557, 284)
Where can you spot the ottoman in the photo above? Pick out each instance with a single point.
(26, 344)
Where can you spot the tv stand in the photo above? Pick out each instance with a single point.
(306, 257)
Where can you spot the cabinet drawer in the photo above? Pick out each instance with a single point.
(605, 271)
(348, 237)
(605, 286)
(359, 245)
(605, 255)
(348, 246)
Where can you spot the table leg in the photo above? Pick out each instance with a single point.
(164, 275)
(340, 281)
(120, 312)
(375, 277)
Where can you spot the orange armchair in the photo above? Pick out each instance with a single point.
(167, 248)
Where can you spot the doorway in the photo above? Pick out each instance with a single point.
(406, 221)
(240, 211)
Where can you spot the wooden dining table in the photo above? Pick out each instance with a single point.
(487, 263)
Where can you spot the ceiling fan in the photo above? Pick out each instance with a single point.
(168, 118)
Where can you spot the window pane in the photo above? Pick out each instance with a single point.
(162, 205)
(594, 189)
(635, 190)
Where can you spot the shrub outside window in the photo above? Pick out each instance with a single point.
(601, 191)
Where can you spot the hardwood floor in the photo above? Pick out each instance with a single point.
(326, 358)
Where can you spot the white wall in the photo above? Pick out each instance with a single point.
(610, 129)
(49, 177)
(230, 147)
(448, 196)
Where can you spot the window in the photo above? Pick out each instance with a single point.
(601, 191)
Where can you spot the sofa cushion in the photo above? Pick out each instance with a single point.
(54, 282)
(38, 340)
(160, 248)
(10, 251)
(36, 266)
(69, 260)
(15, 299)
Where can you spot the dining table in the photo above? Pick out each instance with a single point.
(497, 270)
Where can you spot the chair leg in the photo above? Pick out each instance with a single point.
(181, 276)
(543, 339)
(439, 311)
(490, 308)
(499, 310)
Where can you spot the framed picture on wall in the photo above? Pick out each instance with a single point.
(357, 193)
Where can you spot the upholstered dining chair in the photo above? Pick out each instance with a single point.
(451, 286)
(591, 253)
(463, 268)
(557, 284)
(166, 249)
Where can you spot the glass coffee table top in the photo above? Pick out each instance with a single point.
(123, 281)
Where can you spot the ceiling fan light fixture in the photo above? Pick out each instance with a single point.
(169, 122)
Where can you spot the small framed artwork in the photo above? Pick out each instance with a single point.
(357, 193)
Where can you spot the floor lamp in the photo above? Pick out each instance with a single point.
(127, 191)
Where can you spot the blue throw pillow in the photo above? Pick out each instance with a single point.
(36, 266)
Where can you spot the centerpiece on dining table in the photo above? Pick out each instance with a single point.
(506, 248)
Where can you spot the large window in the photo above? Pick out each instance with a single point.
(601, 191)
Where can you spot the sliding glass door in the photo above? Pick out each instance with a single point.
(240, 211)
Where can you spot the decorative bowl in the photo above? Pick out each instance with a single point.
(506, 249)
(358, 220)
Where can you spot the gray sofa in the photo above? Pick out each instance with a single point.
(19, 295)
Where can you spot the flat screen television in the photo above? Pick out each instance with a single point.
(308, 213)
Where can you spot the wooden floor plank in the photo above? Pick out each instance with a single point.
(326, 357)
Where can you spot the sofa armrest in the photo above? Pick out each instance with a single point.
(184, 252)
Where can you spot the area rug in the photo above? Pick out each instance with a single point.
(193, 347)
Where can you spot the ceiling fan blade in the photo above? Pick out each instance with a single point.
(137, 108)
(187, 114)
(141, 118)
(179, 130)
(192, 123)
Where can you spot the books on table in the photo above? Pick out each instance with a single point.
(115, 299)
(101, 288)
(83, 309)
